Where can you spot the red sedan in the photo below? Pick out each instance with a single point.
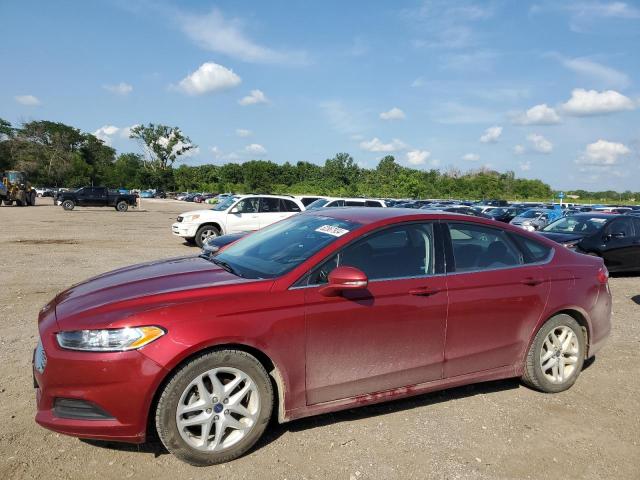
(323, 311)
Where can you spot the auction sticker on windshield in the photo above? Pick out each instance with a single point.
(331, 230)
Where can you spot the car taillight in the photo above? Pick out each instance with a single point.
(603, 275)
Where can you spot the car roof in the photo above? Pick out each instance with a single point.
(368, 215)
(596, 215)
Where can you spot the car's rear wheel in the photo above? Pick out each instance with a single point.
(556, 355)
(215, 407)
(68, 205)
(204, 232)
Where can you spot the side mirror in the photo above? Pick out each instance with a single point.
(234, 210)
(342, 279)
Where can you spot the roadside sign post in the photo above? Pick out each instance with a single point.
(561, 196)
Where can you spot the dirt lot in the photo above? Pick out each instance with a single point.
(497, 430)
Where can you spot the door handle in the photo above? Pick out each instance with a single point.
(423, 291)
(532, 281)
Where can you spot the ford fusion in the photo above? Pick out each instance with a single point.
(326, 310)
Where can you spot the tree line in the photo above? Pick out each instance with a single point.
(59, 155)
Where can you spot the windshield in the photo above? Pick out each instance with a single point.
(224, 203)
(279, 248)
(496, 212)
(319, 203)
(14, 177)
(530, 214)
(578, 224)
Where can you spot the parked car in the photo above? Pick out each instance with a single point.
(505, 214)
(614, 237)
(212, 245)
(306, 200)
(535, 218)
(234, 214)
(328, 202)
(303, 317)
(96, 197)
(147, 194)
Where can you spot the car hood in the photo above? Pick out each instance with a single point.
(203, 213)
(139, 287)
(561, 237)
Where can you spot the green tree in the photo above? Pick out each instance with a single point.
(162, 144)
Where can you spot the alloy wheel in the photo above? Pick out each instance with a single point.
(559, 354)
(218, 409)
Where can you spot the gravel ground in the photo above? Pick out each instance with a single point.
(499, 430)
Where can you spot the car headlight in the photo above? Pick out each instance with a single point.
(526, 222)
(571, 245)
(109, 340)
(191, 218)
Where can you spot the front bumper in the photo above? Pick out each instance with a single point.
(122, 384)
(185, 230)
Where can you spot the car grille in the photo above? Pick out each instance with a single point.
(179, 219)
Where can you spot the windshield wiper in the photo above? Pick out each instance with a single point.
(226, 266)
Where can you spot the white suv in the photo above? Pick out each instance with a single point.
(235, 214)
(328, 202)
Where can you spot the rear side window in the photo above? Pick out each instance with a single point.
(288, 206)
(532, 251)
(621, 226)
(372, 203)
(354, 203)
(476, 247)
(269, 205)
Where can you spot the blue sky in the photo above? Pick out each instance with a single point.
(548, 89)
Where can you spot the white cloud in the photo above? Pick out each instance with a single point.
(525, 165)
(603, 153)
(255, 149)
(376, 145)
(539, 143)
(105, 133)
(491, 134)
(217, 34)
(591, 102)
(209, 77)
(256, 96)
(418, 157)
(541, 114)
(606, 76)
(29, 100)
(471, 157)
(518, 150)
(121, 88)
(194, 152)
(243, 132)
(394, 114)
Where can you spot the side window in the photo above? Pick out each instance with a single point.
(372, 203)
(288, 206)
(476, 247)
(308, 200)
(269, 205)
(248, 205)
(636, 224)
(532, 251)
(336, 203)
(621, 225)
(396, 252)
(353, 203)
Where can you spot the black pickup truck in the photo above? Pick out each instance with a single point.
(96, 197)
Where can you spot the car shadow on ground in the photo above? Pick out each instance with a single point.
(276, 430)
(636, 299)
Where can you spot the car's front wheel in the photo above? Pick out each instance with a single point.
(204, 232)
(215, 407)
(68, 205)
(556, 355)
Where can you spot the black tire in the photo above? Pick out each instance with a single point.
(33, 197)
(68, 205)
(534, 376)
(122, 206)
(204, 232)
(165, 415)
